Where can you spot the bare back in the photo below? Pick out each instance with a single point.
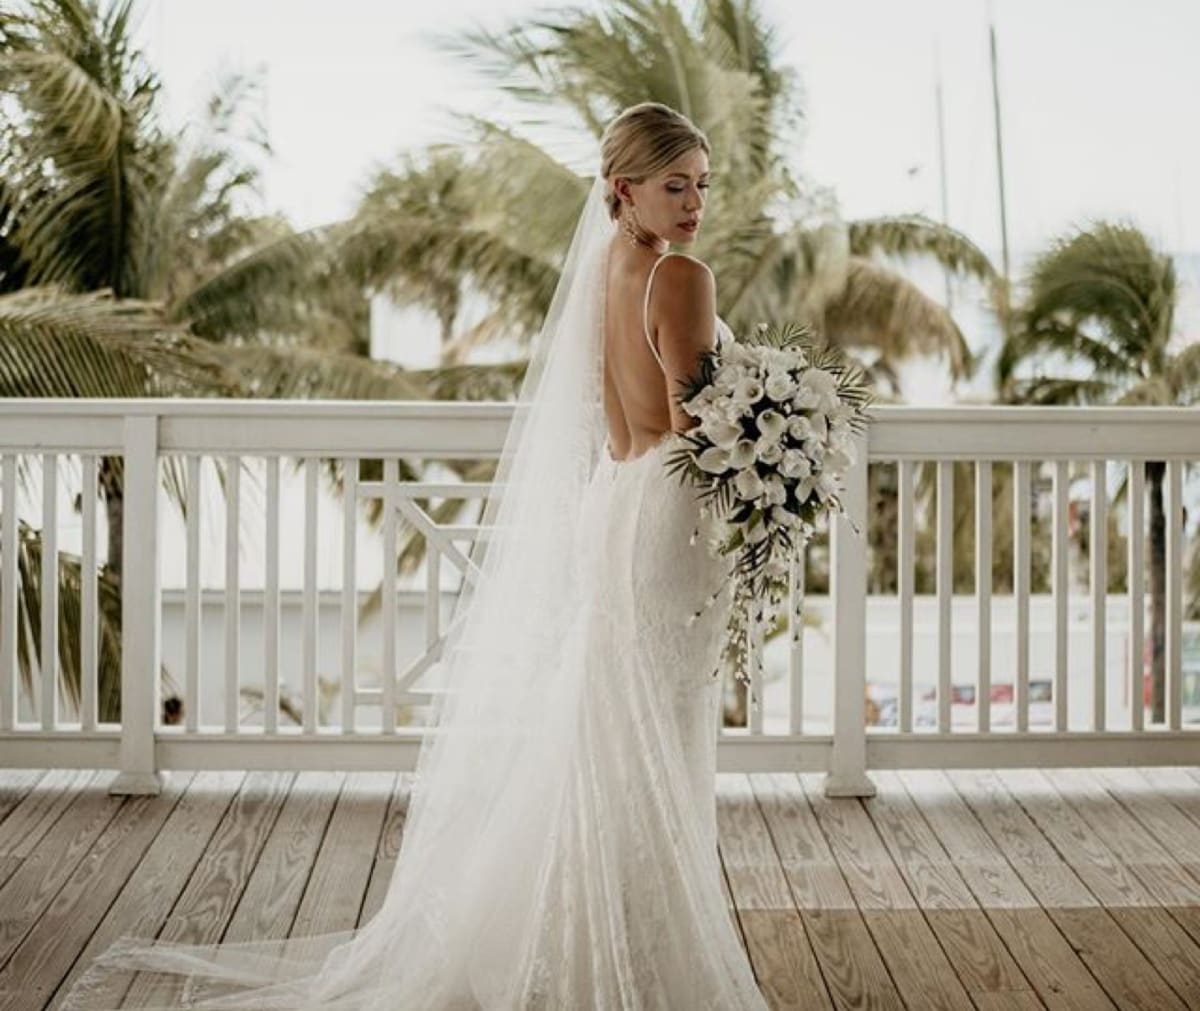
(642, 370)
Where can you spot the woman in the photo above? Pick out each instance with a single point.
(559, 850)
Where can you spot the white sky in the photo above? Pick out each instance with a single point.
(1098, 97)
(1099, 100)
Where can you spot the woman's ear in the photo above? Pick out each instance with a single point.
(621, 188)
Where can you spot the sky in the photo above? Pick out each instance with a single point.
(1098, 101)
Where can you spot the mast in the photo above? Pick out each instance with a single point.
(941, 134)
(999, 159)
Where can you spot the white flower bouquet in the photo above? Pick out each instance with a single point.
(778, 413)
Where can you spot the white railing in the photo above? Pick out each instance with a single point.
(218, 455)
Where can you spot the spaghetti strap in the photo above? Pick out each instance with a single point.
(646, 311)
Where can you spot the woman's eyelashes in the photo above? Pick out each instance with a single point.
(680, 189)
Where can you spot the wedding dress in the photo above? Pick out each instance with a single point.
(560, 849)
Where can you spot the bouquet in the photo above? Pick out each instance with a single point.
(778, 413)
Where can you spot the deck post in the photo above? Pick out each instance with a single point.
(847, 775)
(141, 613)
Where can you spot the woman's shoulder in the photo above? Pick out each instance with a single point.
(685, 275)
(684, 265)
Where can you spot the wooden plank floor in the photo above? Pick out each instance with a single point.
(963, 889)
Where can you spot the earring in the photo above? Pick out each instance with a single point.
(627, 226)
(632, 227)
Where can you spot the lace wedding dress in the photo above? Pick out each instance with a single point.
(560, 851)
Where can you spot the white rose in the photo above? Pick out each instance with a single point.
(799, 427)
(779, 386)
(772, 424)
(776, 493)
(819, 381)
(741, 454)
(748, 484)
(768, 451)
(726, 377)
(713, 460)
(795, 464)
(737, 353)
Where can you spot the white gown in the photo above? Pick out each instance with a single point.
(621, 908)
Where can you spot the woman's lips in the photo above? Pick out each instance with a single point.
(689, 226)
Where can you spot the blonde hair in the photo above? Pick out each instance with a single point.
(642, 140)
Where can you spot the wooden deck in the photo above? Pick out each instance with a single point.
(983, 889)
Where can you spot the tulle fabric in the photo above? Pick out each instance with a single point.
(559, 849)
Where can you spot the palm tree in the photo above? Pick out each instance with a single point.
(774, 241)
(128, 267)
(1098, 326)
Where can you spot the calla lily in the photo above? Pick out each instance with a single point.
(748, 484)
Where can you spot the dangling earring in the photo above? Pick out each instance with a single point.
(627, 226)
(632, 227)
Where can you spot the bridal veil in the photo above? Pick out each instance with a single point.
(482, 813)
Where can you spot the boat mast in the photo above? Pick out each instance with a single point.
(999, 158)
(941, 133)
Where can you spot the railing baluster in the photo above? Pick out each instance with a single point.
(309, 605)
(1061, 591)
(1098, 548)
(349, 605)
(1135, 591)
(48, 702)
(233, 473)
(1172, 496)
(271, 602)
(9, 671)
(387, 674)
(905, 562)
(945, 587)
(193, 614)
(983, 593)
(88, 610)
(1021, 553)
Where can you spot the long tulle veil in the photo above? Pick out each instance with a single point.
(490, 773)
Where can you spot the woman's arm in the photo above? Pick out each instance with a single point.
(683, 319)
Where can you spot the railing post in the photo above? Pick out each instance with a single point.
(141, 613)
(847, 776)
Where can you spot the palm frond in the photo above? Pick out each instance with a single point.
(57, 344)
(89, 145)
(878, 308)
(300, 373)
(1034, 341)
(264, 290)
(1109, 276)
(1052, 390)
(919, 235)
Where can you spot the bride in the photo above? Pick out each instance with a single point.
(560, 848)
